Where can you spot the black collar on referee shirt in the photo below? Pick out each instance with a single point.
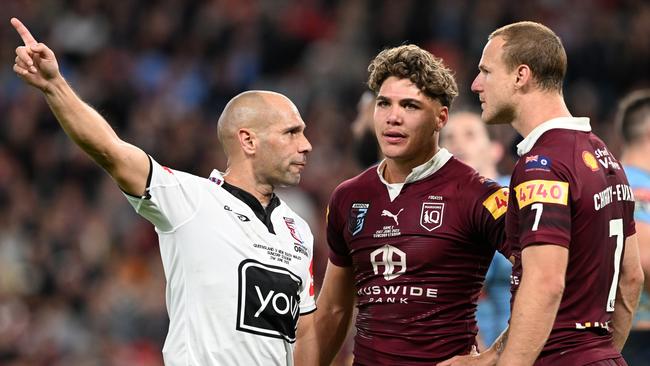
(264, 214)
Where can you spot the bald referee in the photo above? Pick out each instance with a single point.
(237, 259)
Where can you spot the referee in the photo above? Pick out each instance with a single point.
(237, 259)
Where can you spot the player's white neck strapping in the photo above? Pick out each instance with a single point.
(418, 173)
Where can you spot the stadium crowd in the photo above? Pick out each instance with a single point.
(81, 282)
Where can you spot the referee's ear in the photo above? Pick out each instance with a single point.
(247, 141)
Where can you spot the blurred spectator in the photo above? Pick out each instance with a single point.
(366, 149)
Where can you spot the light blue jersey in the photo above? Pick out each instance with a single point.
(493, 311)
(640, 182)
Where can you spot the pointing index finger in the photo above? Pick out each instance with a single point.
(27, 37)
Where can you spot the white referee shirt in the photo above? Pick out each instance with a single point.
(235, 285)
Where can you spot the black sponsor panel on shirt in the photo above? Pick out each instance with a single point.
(268, 300)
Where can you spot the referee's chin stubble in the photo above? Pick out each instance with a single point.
(289, 177)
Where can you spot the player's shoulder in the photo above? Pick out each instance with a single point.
(546, 151)
(469, 181)
(552, 157)
(558, 143)
(364, 180)
(360, 189)
(566, 155)
(469, 190)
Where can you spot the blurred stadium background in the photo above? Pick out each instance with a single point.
(81, 281)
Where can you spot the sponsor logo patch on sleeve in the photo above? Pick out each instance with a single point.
(590, 161)
(545, 191)
(537, 162)
(497, 203)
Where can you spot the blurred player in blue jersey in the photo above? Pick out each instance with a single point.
(468, 139)
(633, 122)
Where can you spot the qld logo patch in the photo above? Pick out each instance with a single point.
(357, 217)
(431, 215)
(537, 162)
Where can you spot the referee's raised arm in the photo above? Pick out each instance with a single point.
(36, 64)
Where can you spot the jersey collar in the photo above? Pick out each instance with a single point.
(421, 171)
(262, 213)
(567, 123)
(418, 173)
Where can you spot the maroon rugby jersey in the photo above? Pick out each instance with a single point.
(568, 189)
(419, 261)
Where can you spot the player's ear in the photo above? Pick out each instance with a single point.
(247, 140)
(442, 116)
(523, 76)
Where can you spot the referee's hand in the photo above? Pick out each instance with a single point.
(35, 62)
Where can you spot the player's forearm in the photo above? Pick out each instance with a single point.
(331, 328)
(320, 341)
(645, 266)
(532, 319)
(306, 342)
(320, 344)
(335, 307)
(488, 357)
(627, 299)
(493, 353)
(82, 123)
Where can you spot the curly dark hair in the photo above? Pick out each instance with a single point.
(426, 71)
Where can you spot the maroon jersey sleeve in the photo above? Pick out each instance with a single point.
(339, 253)
(542, 198)
(489, 215)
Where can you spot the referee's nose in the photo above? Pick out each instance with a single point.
(305, 146)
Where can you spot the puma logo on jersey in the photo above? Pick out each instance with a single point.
(390, 214)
